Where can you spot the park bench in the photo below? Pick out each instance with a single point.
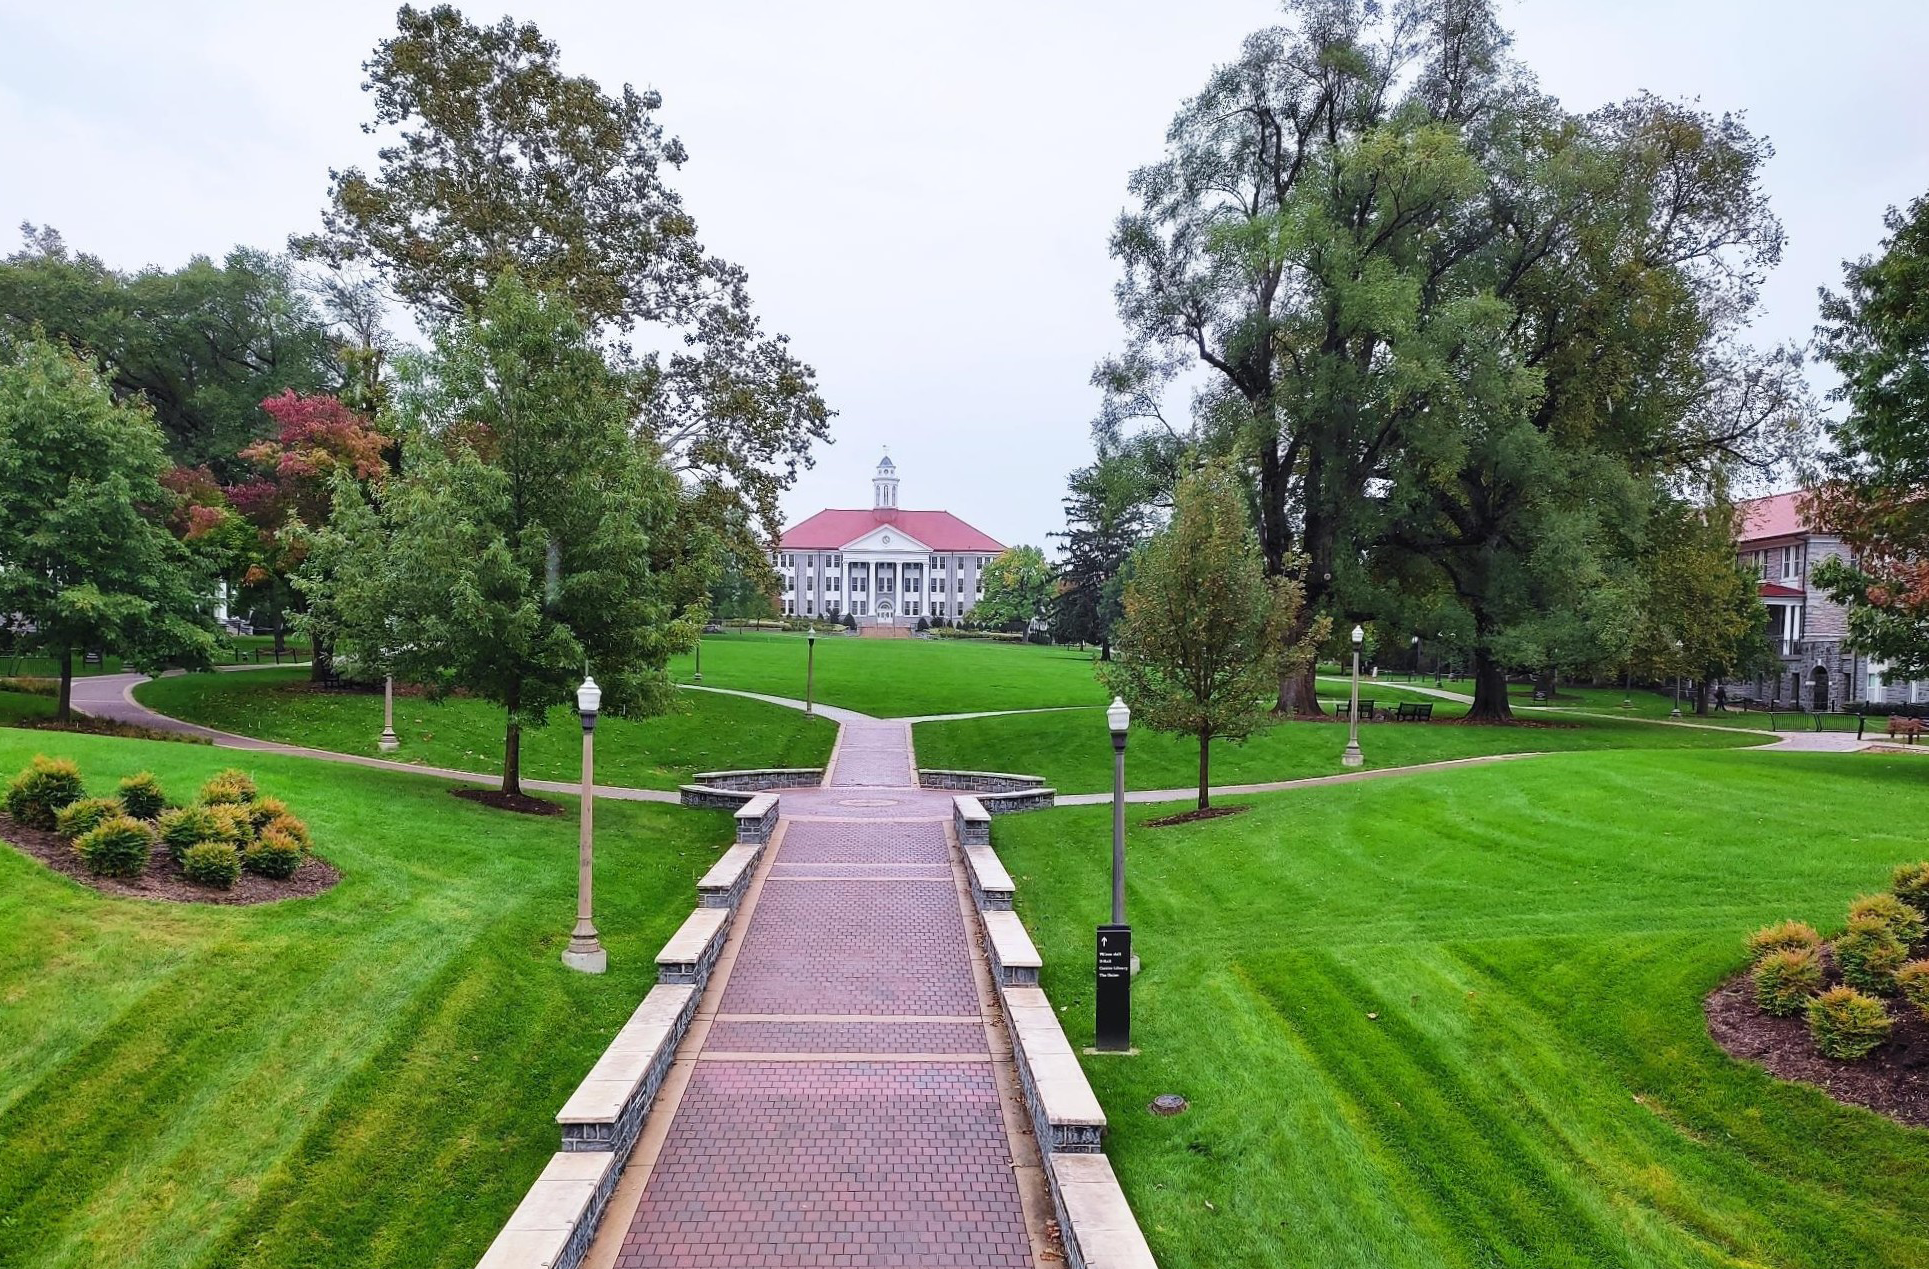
(1909, 728)
(1366, 709)
(1414, 712)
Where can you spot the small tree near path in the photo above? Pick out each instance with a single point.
(1203, 640)
(84, 561)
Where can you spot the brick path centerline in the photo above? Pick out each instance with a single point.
(845, 1096)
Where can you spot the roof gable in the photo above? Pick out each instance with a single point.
(886, 537)
(1776, 516)
(934, 531)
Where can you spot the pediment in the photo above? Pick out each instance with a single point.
(889, 537)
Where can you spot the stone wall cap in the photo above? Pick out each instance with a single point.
(664, 1003)
(596, 1101)
(993, 775)
(1012, 946)
(1101, 1221)
(758, 806)
(541, 1224)
(968, 805)
(525, 1249)
(1063, 1090)
(704, 777)
(731, 865)
(693, 936)
(987, 868)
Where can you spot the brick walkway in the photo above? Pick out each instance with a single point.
(844, 1105)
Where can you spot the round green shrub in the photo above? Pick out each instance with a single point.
(232, 824)
(117, 847)
(290, 826)
(263, 811)
(215, 864)
(1781, 937)
(78, 818)
(1869, 955)
(37, 793)
(1785, 980)
(1903, 921)
(1912, 980)
(230, 787)
(1911, 885)
(186, 826)
(274, 854)
(1847, 1024)
(142, 796)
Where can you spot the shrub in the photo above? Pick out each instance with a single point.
(1847, 1024)
(230, 787)
(37, 793)
(288, 826)
(187, 826)
(1912, 980)
(274, 854)
(232, 824)
(1784, 980)
(1911, 885)
(214, 864)
(264, 810)
(79, 818)
(1784, 936)
(1903, 921)
(141, 795)
(1870, 955)
(117, 847)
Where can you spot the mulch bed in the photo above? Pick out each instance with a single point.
(1194, 816)
(163, 879)
(1893, 1080)
(521, 803)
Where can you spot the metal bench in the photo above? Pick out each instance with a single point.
(1366, 709)
(1909, 728)
(1414, 712)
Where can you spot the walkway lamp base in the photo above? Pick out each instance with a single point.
(1352, 757)
(594, 960)
(389, 742)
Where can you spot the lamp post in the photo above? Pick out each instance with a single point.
(1114, 995)
(389, 742)
(1353, 757)
(698, 676)
(1416, 658)
(810, 672)
(1676, 711)
(585, 952)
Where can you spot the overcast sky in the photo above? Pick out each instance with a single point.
(921, 193)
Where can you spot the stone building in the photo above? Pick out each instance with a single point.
(1806, 628)
(886, 566)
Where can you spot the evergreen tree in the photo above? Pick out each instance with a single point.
(1106, 518)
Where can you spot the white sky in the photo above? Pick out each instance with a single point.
(922, 193)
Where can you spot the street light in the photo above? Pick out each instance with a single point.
(1353, 757)
(698, 677)
(1676, 711)
(810, 671)
(389, 741)
(585, 952)
(1416, 658)
(1114, 995)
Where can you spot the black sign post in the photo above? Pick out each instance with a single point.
(1114, 989)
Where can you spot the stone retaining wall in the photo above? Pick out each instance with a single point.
(703, 797)
(970, 821)
(757, 820)
(977, 781)
(1037, 799)
(761, 779)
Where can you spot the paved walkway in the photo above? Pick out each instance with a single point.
(845, 1095)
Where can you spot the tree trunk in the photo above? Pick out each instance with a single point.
(1701, 696)
(1105, 647)
(1205, 787)
(1299, 693)
(1544, 683)
(512, 745)
(65, 710)
(321, 661)
(281, 636)
(1490, 689)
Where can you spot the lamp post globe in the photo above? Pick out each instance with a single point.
(1353, 757)
(585, 951)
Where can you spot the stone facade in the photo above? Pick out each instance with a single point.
(757, 819)
(978, 781)
(1039, 799)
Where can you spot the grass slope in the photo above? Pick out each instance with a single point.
(900, 678)
(1071, 750)
(368, 1078)
(653, 753)
(1538, 1088)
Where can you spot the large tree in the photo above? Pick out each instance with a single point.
(526, 536)
(1106, 518)
(1018, 589)
(1205, 628)
(85, 560)
(201, 345)
(1876, 491)
(498, 160)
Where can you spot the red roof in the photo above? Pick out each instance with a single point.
(1775, 590)
(834, 530)
(1777, 516)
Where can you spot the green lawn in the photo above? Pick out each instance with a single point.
(1072, 751)
(653, 753)
(368, 1078)
(900, 678)
(1538, 1088)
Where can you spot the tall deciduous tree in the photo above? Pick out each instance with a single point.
(498, 160)
(522, 536)
(1701, 615)
(1205, 628)
(84, 560)
(1018, 587)
(1876, 495)
(1106, 518)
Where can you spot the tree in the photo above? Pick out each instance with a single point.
(521, 535)
(84, 561)
(1876, 490)
(201, 345)
(1702, 615)
(1106, 517)
(1018, 588)
(1201, 643)
(501, 161)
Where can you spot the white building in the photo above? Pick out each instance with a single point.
(885, 566)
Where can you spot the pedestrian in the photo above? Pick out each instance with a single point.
(1721, 697)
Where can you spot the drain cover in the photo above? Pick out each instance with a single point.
(1168, 1104)
(868, 802)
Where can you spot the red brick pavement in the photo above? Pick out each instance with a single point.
(833, 1160)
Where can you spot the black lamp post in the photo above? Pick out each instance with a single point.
(1114, 997)
(810, 672)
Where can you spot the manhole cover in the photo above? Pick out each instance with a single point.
(1168, 1104)
(868, 802)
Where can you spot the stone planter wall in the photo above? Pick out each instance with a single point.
(977, 781)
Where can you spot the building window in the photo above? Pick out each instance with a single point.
(935, 566)
(837, 561)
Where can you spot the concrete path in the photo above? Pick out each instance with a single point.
(1280, 786)
(1367, 686)
(845, 1095)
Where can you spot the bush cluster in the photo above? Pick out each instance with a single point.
(1911, 885)
(37, 793)
(1786, 979)
(230, 787)
(232, 828)
(184, 826)
(116, 847)
(1902, 920)
(274, 854)
(214, 864)
(1912, 980)
(1869, 955)
(1847, 1024)
(1783, 936)
(142, 796)
(79, 818)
